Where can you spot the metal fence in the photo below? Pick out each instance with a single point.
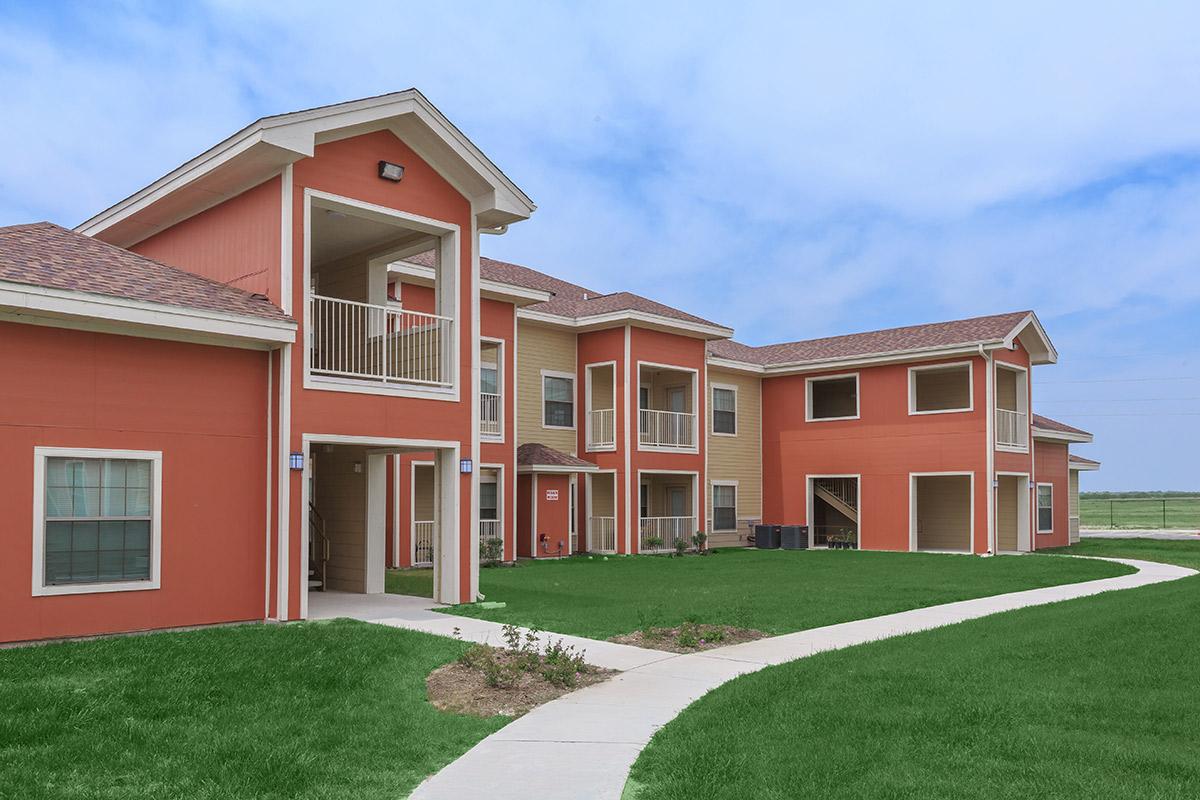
(1146, 513)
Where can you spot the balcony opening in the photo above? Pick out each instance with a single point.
(666, 408)
(1012, 408)
(602, 512)
(940, 389)
(667, 511)
(941, 512)
(370, 323)
(833, 397)
(491, 519)
(601, 406)
(491, 402)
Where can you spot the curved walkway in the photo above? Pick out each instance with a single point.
(583, 744)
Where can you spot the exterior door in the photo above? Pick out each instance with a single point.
(676, 400)
(677, 501)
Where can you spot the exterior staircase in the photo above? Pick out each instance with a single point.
(318, 550)
(841, 493)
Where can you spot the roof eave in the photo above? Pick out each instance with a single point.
(1029, 330)
(1049, 435)
(871, 359)
(644, 319)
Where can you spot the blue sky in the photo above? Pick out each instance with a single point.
(790, 171)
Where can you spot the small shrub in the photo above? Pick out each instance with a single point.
(562, 665)
(689, 635)
(491, 552)
(681, 546)
(653, 542)
(698, 539)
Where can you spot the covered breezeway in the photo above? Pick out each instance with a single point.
(942, 512)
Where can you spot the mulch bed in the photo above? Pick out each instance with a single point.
(668, 638)
(461, 689)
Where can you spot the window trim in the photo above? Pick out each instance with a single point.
(726, 484)
(500, 387)
(40, 455)
(570, 376)
(808, 396)
(912, 387)
(1037, 504)
(712, 421)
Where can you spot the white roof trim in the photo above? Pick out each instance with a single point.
(48, 304)
(643, 318)
(1048, 435)
(557, 469)
(1031, 320)
(1077, 467)
(495, 290)
(272, 142)
(823, 365)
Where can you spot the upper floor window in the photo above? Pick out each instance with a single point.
(489, 379)
(488, 500)
(940, 389)
(98, 520)
(724, 403)
(1045, 508)
(832, 397)
(558, 400)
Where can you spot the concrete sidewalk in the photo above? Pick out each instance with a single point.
(592, 736)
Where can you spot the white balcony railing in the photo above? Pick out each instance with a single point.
(490, 530)
(666, 428)
(348, 339)
(667, 530)
(1012, 428)
(602, 535)
(422, 533)
(489, 414)
(602, 428)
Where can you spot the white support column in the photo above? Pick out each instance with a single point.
(447, 552)
(375, 525)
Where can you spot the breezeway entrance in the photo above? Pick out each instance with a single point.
(942, 512)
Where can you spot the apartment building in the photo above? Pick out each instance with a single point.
(285, 366)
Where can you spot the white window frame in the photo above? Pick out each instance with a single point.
(1037, 505)
(570, 376)
(40, 455)
(912, 388)
(712, 416)
(808, 396)
(726, 484)
(499, 365)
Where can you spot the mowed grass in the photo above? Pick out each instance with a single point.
(1092, 698)
(311, 710)
(1145, 513)
(1183, 553)
(774, 591)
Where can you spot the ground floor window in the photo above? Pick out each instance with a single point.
(97, 519)
(724, 507)
(488, 497)
(1045, 508)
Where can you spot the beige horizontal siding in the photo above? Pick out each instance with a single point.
(1073, 492)
(541, 347)
(341, 499)
(938, 389)
(737, 458)
(1006, 513)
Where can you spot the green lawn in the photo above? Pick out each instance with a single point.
(1139, 512)
(1183, 553)
(1092, 698)
(310, 710)
(775, 591)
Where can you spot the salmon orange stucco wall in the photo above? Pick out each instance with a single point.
(552, 499)
(236, 242)
(204, 408)
(497, 320)
(1050, 465)
(348, 168)
(884, 446)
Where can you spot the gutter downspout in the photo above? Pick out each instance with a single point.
(989, 402)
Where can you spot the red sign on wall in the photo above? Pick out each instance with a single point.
(552, 494)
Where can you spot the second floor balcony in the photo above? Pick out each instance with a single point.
(362, 341)
(666, 408)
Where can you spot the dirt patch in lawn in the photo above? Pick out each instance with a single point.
(689, 637)
(464, 688)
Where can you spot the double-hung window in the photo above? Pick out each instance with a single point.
(97, 525)
(488, 506)
(724, 403)
(724, 498)
(558, 401)
(1045, 508)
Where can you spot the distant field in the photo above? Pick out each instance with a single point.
(1139, 510)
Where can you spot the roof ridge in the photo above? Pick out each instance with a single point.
(888, 330)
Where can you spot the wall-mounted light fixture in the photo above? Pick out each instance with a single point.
(390, 172)
(296, 460)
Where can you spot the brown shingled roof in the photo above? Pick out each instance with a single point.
(1087, 462)
(977, 330)
(570, 300)
(1047, 424)
(45, 254)
(537, 455)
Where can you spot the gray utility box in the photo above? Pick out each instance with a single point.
(794, 537)
(766, 537)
